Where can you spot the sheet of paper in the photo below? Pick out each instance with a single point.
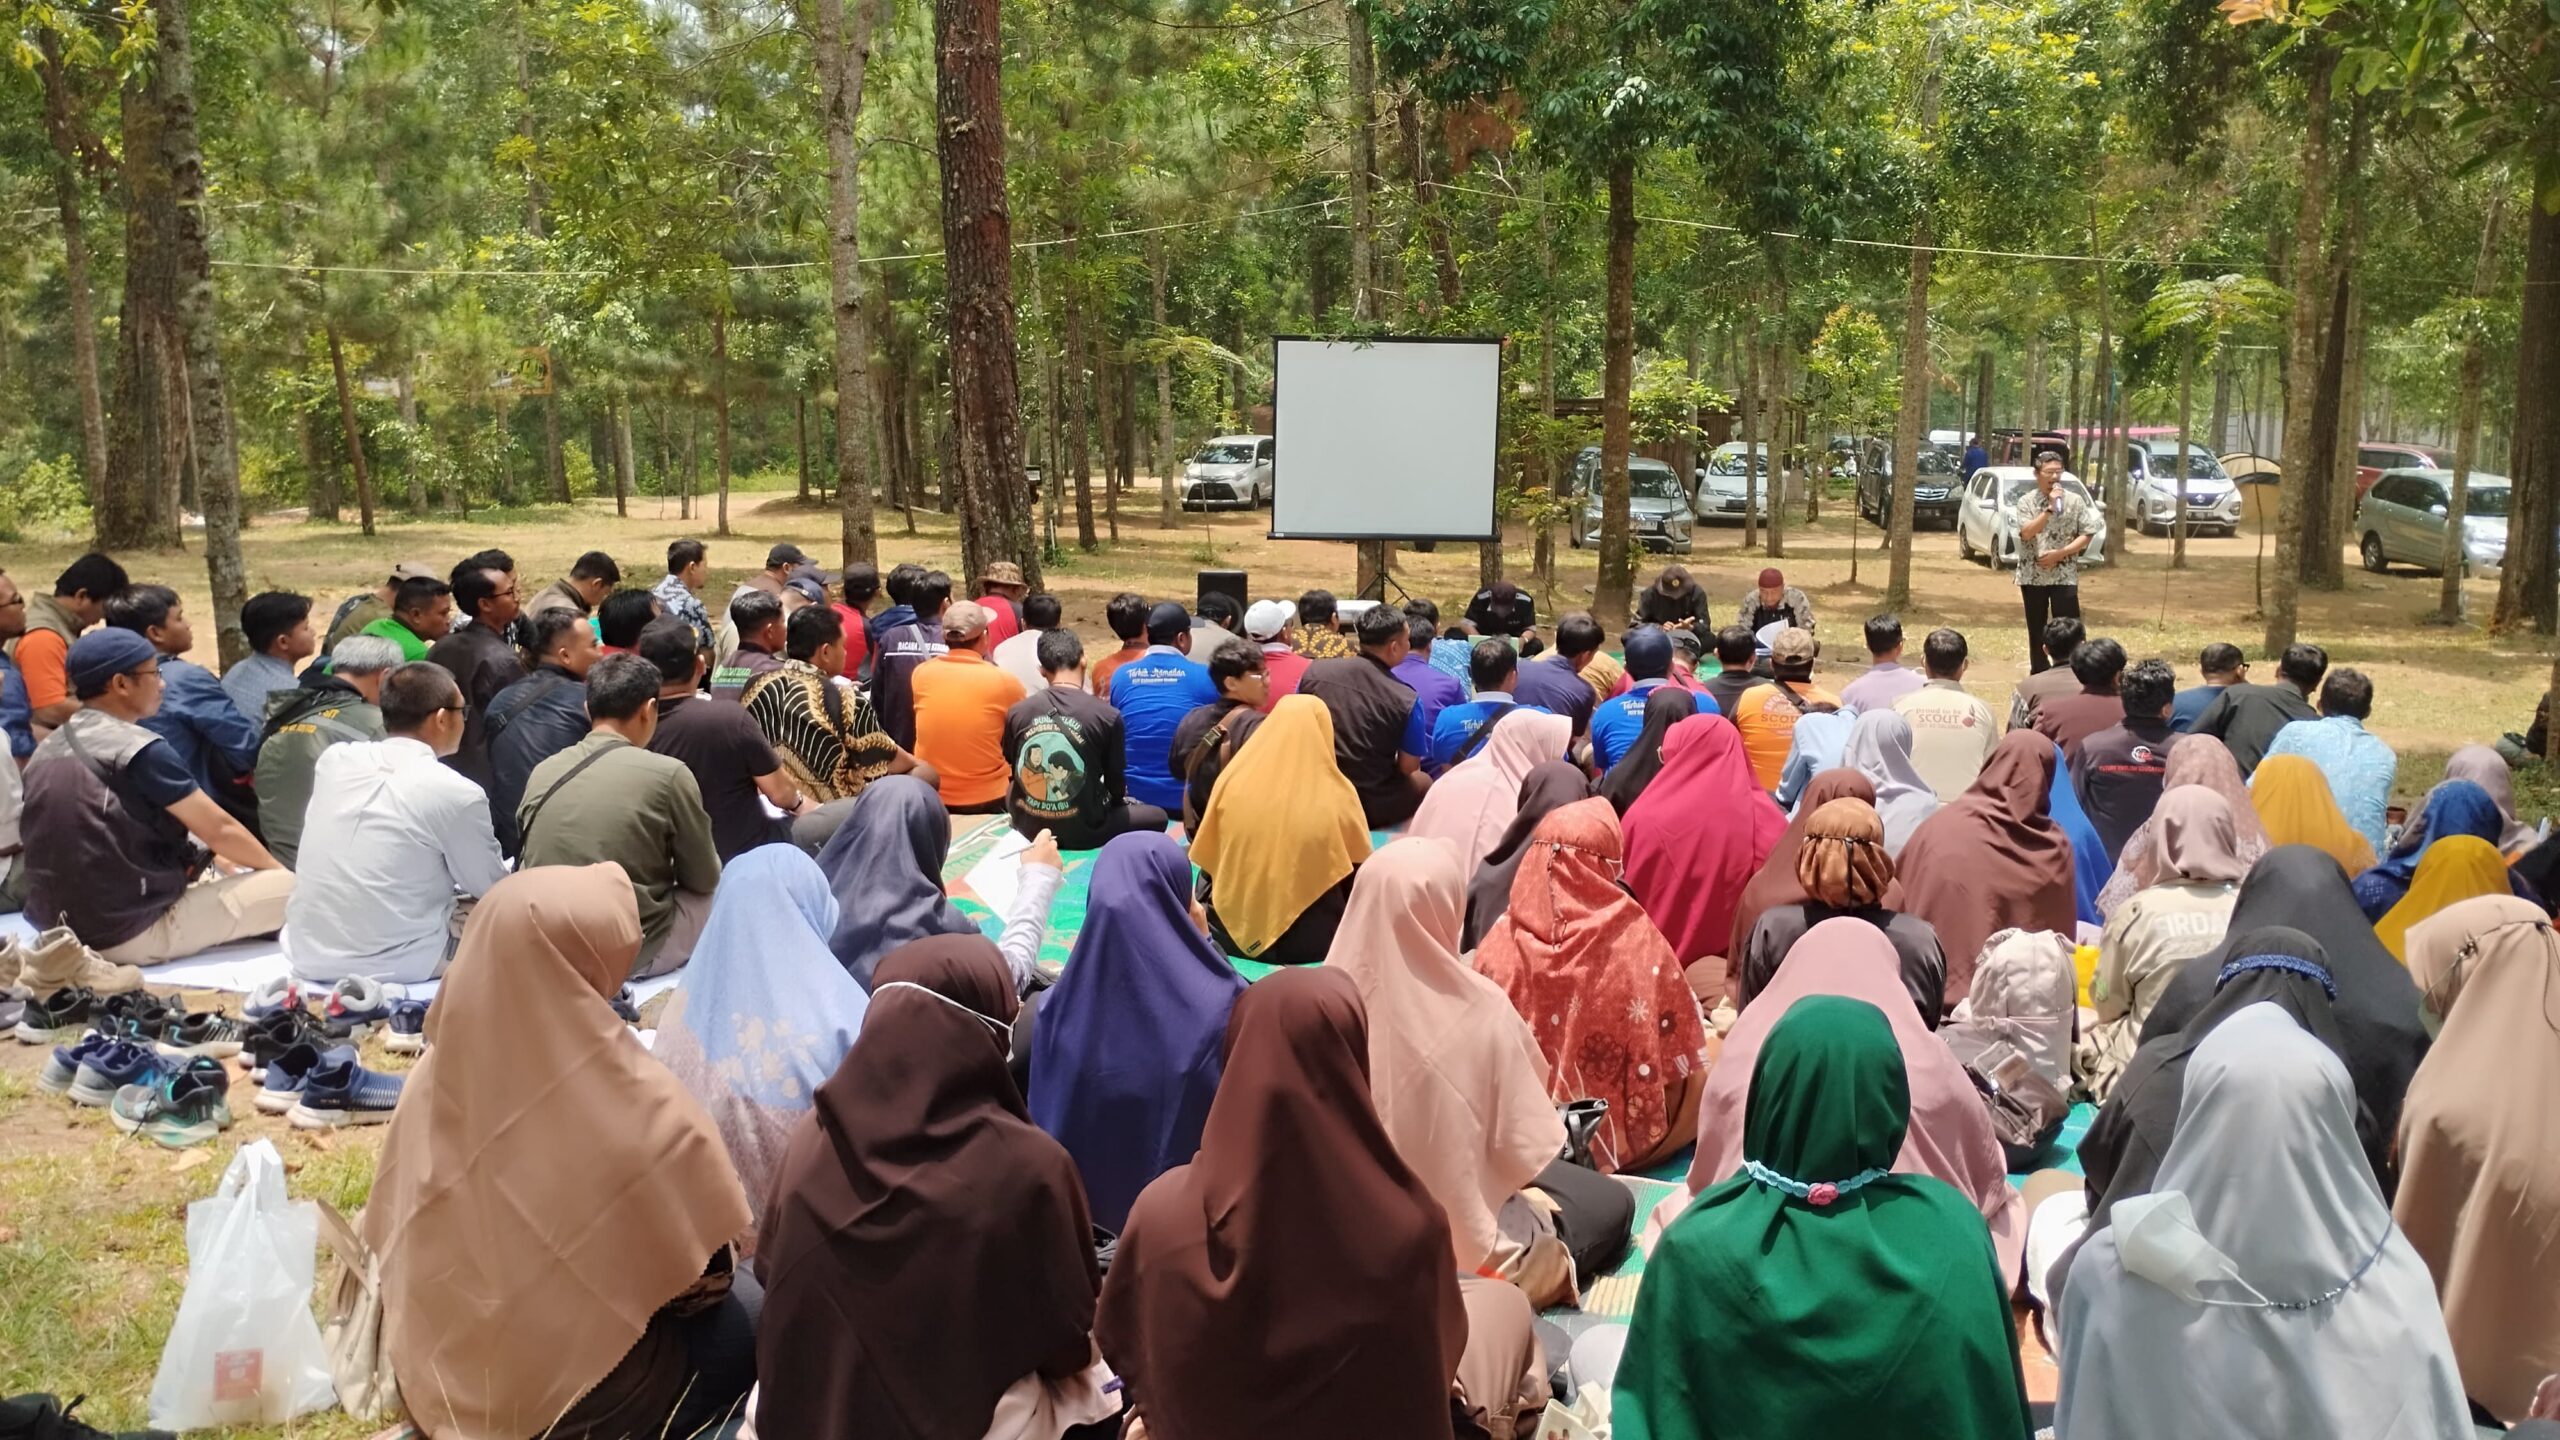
(996, 879)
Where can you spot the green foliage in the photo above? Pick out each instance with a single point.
(1855, 373)
(1664, 402)
(44, 497)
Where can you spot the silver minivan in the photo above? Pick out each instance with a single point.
(1229, 470)
(2402, 518)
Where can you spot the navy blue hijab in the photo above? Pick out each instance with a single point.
(1131, 1041)
(885, 865)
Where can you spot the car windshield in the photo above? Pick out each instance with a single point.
(1654, 484)
(1224, 455)
(2201, 464)
(1730, 463)
(1936, 462)
(2487, 500)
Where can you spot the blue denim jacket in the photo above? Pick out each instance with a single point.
(199, 721)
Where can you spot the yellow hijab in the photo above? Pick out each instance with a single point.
(2454, 869)
(1282, 826)
(2294, 803)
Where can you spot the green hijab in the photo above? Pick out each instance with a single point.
(1763, 1315)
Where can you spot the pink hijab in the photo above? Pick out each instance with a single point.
(1697, 835)
(1473, 804)
(1459, 1081)
(1950, 1135)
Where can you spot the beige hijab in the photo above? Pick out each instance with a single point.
(2480, 1142)
(546, 1185)
(1458, 1078)
(1473, 804)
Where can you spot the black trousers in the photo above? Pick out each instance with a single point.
(2044, 602)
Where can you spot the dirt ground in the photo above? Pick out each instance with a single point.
(92, 1256)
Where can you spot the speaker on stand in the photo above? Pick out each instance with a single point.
(1230, 583)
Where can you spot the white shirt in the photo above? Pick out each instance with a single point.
(391, 837)
(1018, 655)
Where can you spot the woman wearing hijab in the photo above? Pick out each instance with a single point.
(1775, 883)
(2023, 994)
(2487, 769)
(765, 1014)
(1280, 839)
(1950, 1134)
(2456, 868)
(1548, 788)
(1816, 1291)
(2261, 1289)
(2379, 1033)
(2480, 1144)
(2158, 930)
(1880, 748)
(1841, 868)
(1600, 990)
(1125, 1057)
(2193, 760)
(1664, 707)
(2293, 801)
(1471, 806)
(1696, 835)
(553, 1213)
(2455, 807)
(928, 1263)
(885, 864)
(1295, 1277)
(1993, 859)
(1457, 1078)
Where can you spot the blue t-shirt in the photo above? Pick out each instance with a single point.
(2190, 706)
(1458, 725)
(1552, 684)
(1618, 720)
(1433, 692)
(1152, 694)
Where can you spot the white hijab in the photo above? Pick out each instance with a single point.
(1880, 748)
(2263, 1196)
(2023, 991)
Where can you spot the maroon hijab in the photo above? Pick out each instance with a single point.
(1992, 858)
(1776, 884)
(1295, 1278)
(926, 1245)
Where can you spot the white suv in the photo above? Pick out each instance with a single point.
(1229, 470)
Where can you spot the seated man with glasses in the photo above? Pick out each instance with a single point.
(2223, 666)
(127, 830)
(395, 844)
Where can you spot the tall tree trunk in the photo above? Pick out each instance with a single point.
(2319, 525)
(800, 438)
(320, 472)
(171, 87)
(1749, 416)
(2472, 374)
(844, 60)
(1773, 372)
(62, 126)
(1426, 206)
(1166, 457)
(1071, 397)
(1611, 598)
(2178, 482)
(720, 407)
(1363, 85)
(407, 386)
(1542, 552)
(2033, 400)
(2526, 584)
(623, 460)
(1986, 381)
(977, 235)
(351, 432)
(2349, 350)
(146, 434)
(2218, 430)
(2302, 355)
(1911, 424)
(1115, 389)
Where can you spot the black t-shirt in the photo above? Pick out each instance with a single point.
(2119, 770)
(1725, 687)
(1491, 617)
(1069, 753)
(725, 750)
(1372, 711)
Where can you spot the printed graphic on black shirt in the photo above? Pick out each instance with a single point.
(1050, 768)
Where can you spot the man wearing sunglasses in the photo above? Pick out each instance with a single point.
(127, 829)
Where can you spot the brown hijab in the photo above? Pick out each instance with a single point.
(1548, 788)
(1294, 1279)
(1776, 884)
(1992, 860)
(546, 1185)
(919, 1146)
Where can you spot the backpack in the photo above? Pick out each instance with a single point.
(353, 1331)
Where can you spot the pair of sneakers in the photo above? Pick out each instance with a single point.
(347, 1010)
(92, 1069)
(318, 1087)
(187, 1103)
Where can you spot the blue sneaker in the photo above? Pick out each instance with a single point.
(356, 1004)
(407, 1032)
(65, 1065)
(117, 1064)
(281, 1087)
(338, 1091)
(187, 1107)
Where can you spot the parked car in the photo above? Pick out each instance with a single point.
(1229, 470)
(1658, 513)
(2373, 457)
(1721, 483)
(2402, 518)
(1933, 497)
(2017, 447)
(1986, 530)
(2212, 499)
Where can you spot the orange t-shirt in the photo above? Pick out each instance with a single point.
(960, 702)
(1767, 720)
(1098, 678)
(41, 660)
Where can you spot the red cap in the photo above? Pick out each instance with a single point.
(1770, 579)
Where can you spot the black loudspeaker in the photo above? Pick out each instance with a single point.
(1230, 583)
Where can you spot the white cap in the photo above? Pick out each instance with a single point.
(1267, 618)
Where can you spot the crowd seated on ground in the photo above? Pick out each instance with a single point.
(1728, 928)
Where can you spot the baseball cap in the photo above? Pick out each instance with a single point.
(1267, 618)
(1792, 646)
(1002, 572)
(102, 655)
(1770, 579)
(965, 620)
(414, 570)
(1166, 621)
(784, 554)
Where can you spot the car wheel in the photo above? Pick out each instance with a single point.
(1964, 543)
(2374, 559)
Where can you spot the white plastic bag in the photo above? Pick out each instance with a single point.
(245, 1349)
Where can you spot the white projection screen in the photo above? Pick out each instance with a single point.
(1385, 439)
